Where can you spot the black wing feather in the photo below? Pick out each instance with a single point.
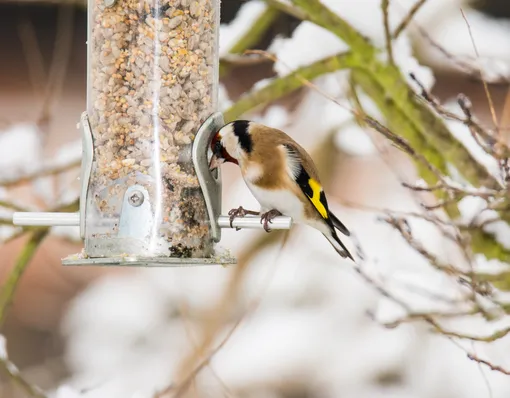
(302, 178)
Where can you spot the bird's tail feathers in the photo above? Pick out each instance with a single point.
(339, 224)
(337, 244)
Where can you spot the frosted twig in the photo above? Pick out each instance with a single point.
(286, 8)
(403, 227)
(408, 18)
(52, 169)
(477, 131)
(12, 206)
(420, 316)
(402, 144)
(487, 339)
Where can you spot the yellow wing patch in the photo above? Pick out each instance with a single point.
(316, 197)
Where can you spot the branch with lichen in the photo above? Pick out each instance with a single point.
(10, 285)
(37, 235)
(388, 77)
(250, 38)
(282, 86)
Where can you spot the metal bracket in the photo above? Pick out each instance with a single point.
(210, 182)
(135, 217)
(86, 168)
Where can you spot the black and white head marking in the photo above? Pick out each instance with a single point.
(241, 130)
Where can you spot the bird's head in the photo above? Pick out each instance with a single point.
(232, 143)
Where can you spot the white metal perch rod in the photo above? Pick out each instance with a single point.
(73, 219)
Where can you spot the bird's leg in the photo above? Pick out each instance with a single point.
(240, 212)
(267, 217)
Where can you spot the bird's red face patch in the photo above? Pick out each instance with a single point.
(219, 150)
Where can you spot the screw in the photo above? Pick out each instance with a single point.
(136, 198)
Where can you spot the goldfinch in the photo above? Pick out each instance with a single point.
(281, 176)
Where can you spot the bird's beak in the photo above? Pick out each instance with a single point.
(215, 162)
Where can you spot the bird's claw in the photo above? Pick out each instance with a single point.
(239, 212)
(267, 218)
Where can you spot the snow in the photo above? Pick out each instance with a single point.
(461, 133)
(451, 32)
(306, 35)
(66, 392)
(27, 156)
(3, 348)
(231, 32)
(471, 207)
(128, 331)
(275, 116)
(354, 141)
(224, 101)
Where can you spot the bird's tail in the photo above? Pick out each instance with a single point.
(338, 245)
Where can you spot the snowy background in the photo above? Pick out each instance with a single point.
(317, 329)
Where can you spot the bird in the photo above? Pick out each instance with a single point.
(280, 174)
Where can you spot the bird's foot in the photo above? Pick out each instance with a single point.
(268, 217)
(240, 212)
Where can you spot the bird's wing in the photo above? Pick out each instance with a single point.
(302, 170)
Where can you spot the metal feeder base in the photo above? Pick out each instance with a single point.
(222, 259)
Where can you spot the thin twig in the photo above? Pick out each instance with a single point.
(389, 48)
(491, 366)
(184, 384)
(15, 375)
(482, 372)
(408, 18)
(12, 206)
(187, 327)
(43, 172)
(286, 8)
(485, 85)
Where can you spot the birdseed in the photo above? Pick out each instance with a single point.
(153, 72)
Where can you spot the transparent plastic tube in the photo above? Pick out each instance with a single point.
(152, 81)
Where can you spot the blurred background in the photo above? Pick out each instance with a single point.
(121, 332)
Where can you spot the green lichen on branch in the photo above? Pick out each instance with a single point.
(37, 235)
(425, 122)
(252, 36)
(258, 28)
(285, 85)
(9, 288)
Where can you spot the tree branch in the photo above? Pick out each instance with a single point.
(287, 84)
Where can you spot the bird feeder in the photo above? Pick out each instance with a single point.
(148, 196)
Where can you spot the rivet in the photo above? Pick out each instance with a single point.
(136, 198)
